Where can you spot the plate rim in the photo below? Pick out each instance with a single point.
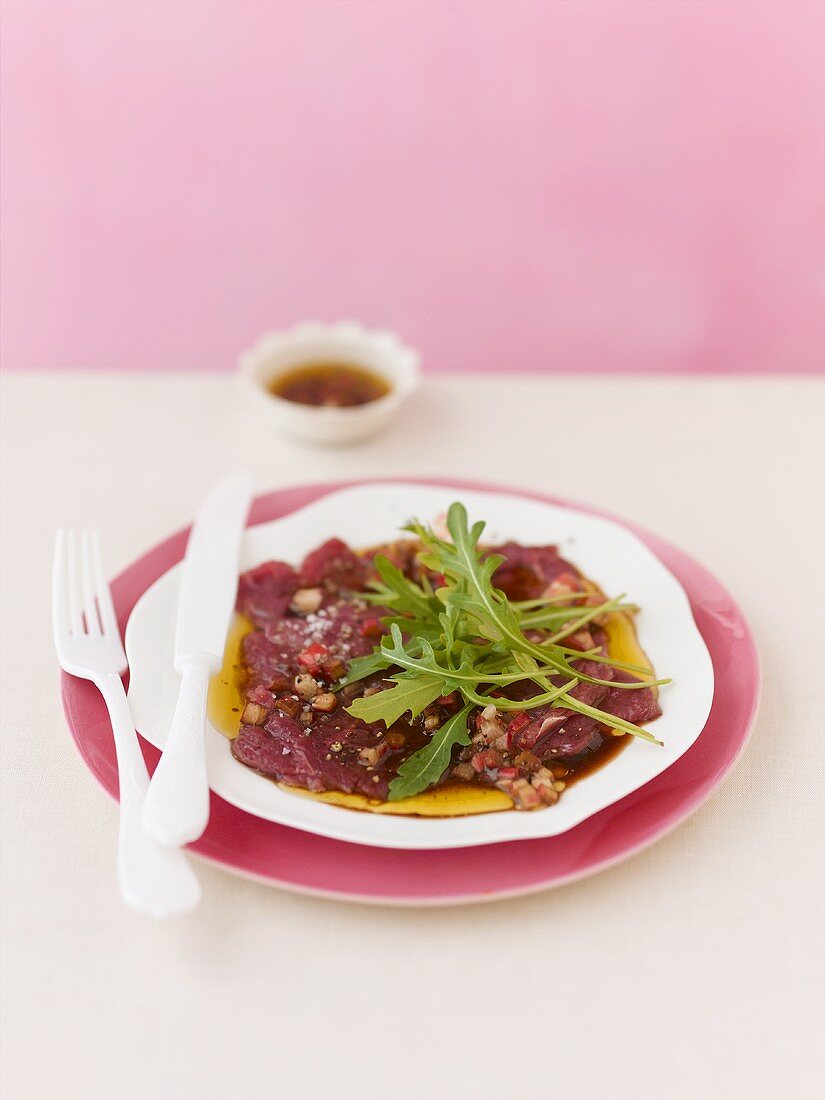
(286, 499)
(672, 627)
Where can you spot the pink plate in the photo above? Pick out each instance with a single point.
(313, 864)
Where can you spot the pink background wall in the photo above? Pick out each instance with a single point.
(621, 185)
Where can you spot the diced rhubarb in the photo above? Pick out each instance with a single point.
(310, 658)
(372, 628)
(529, 798)
(333, 668)
(487, 759)
(523, 795)
(547, 795)
(288, 705)
(490, 729)
(518, 722)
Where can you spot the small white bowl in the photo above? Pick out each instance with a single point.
(345, 342)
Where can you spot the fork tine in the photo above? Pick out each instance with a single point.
(89, 604)
(60, 617)
(75, 617)
(104, 595)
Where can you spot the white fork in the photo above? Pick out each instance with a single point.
(153, 879)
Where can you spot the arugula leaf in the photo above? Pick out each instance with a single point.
(460, 676)
(362, 667)
(402, 594)
(411, 693)
(566, 616)
(426, 766)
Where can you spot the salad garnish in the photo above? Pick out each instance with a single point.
(453, 631)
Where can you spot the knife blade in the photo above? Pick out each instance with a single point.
(176, 808)
(210, 572)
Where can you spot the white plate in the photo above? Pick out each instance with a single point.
(369, 514)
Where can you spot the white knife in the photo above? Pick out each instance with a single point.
(176, 808)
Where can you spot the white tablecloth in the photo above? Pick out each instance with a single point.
(693, 970)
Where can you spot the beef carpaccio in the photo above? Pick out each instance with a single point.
(310, 622)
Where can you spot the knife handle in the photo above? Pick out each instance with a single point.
(176, 809)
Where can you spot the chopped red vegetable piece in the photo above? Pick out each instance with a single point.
(487, 759)
(311, 658)
(518, 722)
(372, 628)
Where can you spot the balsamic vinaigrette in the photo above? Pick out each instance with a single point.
(329, 385)
(454, 799)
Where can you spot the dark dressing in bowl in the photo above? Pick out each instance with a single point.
(329, 385)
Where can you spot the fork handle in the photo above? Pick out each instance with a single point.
(153, 879)
(176, 808)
